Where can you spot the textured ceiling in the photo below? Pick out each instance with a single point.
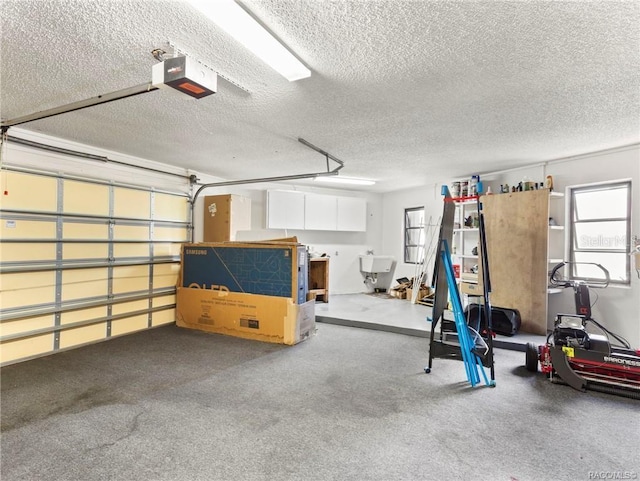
(404, 92)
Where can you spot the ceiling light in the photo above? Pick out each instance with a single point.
(344, 180)
(234, 20)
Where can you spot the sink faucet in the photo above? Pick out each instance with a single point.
(370, 252)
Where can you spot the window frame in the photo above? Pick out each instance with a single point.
(421, 235)
(572, 247)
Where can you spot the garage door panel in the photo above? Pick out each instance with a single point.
(23, 348)
(84, 283)
(27, 252)
(27, 289)
(164, 300)
(130, 279)
(23, 326)
(166, 249)
(130, 232)
(130, 250)
(176, 234)
(84, 231)
(163, 317)
(129, 325)
(29, 192)
(77, 251)
(165, 275)
(131, 203)
(133, 323)
(170, 207)
(27, 229)
(83, 315)
(83, 335)
(85, 198)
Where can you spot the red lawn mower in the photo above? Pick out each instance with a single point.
(576, 355)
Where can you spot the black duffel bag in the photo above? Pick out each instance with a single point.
(505, 322)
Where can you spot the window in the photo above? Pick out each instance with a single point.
(601, 231)
(414, 235)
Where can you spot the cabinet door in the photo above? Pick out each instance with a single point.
(320, 212)
(352, 214)
(285, 209)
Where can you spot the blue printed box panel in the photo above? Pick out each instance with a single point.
(252, 270)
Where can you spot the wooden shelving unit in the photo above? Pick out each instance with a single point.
(319, 278)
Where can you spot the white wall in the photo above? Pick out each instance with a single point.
(395, 204)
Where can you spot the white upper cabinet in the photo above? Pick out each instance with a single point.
(310, 211)
(352, 214)
(320, 212)
(285, 209)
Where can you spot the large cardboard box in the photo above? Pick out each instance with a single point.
(269, 268)
(224, 216)
(250, 316)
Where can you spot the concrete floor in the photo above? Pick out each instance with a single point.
(385, 313)
(175, 404)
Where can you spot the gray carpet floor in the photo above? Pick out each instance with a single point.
(348, 404)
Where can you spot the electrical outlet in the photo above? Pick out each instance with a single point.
(336, 252)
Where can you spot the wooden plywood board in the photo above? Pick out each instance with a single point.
(516, 231)
(131, 203)
(170, 207)
(27, 288)
(85, 198)
(29, 192)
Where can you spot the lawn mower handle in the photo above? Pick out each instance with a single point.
(553, 281)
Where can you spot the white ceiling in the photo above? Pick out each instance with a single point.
(404, 92)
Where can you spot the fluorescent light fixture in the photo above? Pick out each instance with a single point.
(343, 180)
(234, 20)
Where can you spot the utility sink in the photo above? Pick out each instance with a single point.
(374, 264)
